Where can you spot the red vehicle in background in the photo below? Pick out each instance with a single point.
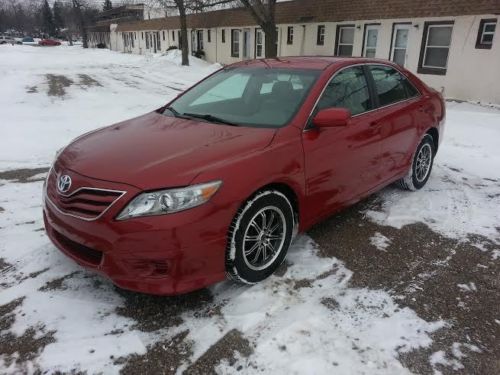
(217, 182)
(49, 42)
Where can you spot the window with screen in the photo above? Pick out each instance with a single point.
(435, 48)
(486, 33)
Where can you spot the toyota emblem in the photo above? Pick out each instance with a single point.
(64, 183)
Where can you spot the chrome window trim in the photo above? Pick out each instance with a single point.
(46, 196)
(371, 110)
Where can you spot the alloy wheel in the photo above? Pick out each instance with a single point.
(423, 162)
(264, 238)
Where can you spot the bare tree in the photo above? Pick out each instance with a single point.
(263, 12)
(77, 8)
(179, 6)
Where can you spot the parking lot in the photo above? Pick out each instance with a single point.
(399, 283)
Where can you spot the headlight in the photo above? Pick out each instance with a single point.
(167, 201)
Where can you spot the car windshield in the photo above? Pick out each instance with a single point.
(258, 97)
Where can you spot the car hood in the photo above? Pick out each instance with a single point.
(155, 151)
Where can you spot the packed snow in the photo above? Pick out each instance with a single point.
(307, 319)
(380, 241)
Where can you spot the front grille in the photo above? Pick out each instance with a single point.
(79, 251)
(85, 202)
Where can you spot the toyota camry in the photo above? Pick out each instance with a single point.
(217, 182)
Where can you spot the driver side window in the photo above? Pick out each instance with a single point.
(348, 89)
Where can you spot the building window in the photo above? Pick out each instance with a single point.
(370, 39)
(142, 35)
(345, 40)
(320, 37)
(289, 35)
(485, 33)
(209, 36)
(163, 35)
(223, 35)
(173, 35)
(435, 48)
(235, 43)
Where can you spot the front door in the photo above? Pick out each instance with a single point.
(400, 43)
(246, 43)
(199, 38)
(371, 39)
(342, 163)
(193, 42)
(259, 44)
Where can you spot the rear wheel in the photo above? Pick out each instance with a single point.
(260, 236)
(421, 165)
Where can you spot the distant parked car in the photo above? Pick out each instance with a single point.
(28, 40)
(4, 39)
(49, 42)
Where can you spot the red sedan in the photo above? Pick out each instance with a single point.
(217, 182)
(49, 42)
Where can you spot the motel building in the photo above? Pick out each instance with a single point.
(451, 44)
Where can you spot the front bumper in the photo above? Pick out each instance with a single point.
(166, 255)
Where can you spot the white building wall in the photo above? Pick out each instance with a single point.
(472, 74)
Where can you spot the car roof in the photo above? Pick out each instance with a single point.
(307, 62)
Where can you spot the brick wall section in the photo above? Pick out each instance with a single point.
(305, 11)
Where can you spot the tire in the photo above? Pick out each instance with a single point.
(249, 254)
(419, 173)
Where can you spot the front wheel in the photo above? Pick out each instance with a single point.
(421, 165)
(259, 237)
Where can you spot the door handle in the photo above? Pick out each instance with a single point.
(374, 124)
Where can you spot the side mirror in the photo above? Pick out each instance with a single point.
(332, 118)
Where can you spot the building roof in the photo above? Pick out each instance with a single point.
(307, 11)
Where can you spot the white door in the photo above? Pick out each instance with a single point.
(246, 43)
(371, 38)
(400, 44)
(259, 44)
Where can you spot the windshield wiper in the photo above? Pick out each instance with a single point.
(210, 118)
(175, 113)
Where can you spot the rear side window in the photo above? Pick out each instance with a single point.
(348, 89)
(390, 85)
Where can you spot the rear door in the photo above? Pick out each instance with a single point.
(396, 118)
(341, 163)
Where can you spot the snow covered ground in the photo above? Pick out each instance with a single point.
(311, 317)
